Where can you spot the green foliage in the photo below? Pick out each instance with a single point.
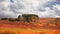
(19, 17)
(28, 17)
(24, 17)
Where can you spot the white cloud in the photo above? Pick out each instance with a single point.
(57, 7)
(43, 8)
(4, 9)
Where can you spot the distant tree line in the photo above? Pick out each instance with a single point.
(24, 17)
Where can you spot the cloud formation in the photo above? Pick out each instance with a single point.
(43, 8)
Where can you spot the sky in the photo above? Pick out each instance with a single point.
(42, 8)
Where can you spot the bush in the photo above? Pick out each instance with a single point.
(4, 18)
(30, 17)
(19, 17)
(11, 19)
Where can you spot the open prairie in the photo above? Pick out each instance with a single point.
(43, 26)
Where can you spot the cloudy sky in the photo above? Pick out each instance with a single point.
(43, 8)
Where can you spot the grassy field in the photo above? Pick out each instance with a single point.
(28, 31)
(44, 26)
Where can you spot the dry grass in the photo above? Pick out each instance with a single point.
(27, 31)
(7, 27)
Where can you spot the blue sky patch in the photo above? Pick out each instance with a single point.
(12, 1)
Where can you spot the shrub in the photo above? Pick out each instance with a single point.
(30, 17)
(11, 19)
(19, 17)
(4, 18)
